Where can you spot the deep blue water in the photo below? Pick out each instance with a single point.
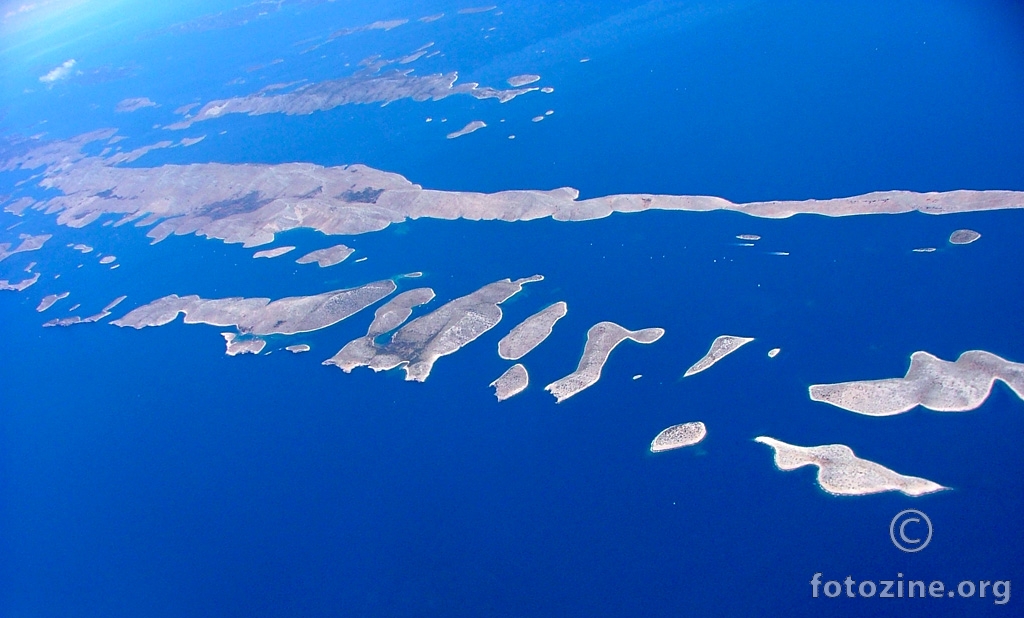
(147, 465)
(144, 473)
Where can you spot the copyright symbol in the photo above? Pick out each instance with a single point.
(910, 530)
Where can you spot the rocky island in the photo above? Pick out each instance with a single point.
(511, 383)
(261, 316)
(842, 473)
(938, 385)
(531, 332)
(679, 436)
(721, 347)
(419, 344)
(602, 338)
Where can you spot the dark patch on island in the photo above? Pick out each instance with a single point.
(246, 204)
(365, 196)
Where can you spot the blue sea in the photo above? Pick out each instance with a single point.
(145, 473)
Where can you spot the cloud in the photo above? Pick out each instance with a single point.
(24, 8)
(59, 73)
(131, 105)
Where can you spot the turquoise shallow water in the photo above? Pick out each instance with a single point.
(146, 473)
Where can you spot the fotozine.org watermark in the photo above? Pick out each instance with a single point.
(900, 588)
(910, 531)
